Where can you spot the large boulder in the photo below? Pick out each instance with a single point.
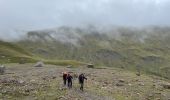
(39, 64)
(90, 66)
(2, 69)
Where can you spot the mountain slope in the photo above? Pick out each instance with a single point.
(120, 47)
(13, 53)
(10, 53)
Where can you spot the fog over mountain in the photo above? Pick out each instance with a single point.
(17, 16)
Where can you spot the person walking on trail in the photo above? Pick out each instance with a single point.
(69, 80)
(64, 78)
(81, 81)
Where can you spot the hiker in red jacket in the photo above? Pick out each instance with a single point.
(64, 78)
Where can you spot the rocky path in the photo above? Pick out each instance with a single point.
(25, 82)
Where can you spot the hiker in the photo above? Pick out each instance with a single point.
(69, 80)
(64, 78)
(81, 81)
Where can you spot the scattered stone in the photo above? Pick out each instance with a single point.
(39, 64)
(21, 82)
(54, 77)
(119, 84)
(138, 74)
(166, 85)
(2, 69)
(130, 84)
(138, 93)
(121, 80)
(106, 83)
(141, 84)
(104, 87)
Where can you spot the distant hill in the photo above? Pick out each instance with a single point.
(126, 48)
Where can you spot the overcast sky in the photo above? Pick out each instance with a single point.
(40, 14)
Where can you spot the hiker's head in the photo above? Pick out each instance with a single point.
(65, 72)
(82, 74)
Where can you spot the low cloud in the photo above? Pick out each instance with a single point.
(25, 15)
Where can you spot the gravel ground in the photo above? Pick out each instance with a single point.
(25, 82)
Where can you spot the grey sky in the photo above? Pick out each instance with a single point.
(40, 14)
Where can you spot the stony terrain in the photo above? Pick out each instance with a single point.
(25, 82)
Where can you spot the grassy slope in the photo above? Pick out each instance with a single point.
(152, 55)
(12, 53)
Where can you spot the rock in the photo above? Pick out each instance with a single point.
(20, 81)
(103, 87)
(90, 66)
(54, 77)
(138, 93)
(106, 83)
(138, 74)
(141, 84)
(119, 84)
(166, 85)
(130, 84)
(2, 69)
(121, 81)
(39, 64)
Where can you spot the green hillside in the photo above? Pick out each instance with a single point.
(146, 49)
(13, 53)
(122, 47)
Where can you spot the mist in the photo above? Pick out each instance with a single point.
(19, 16)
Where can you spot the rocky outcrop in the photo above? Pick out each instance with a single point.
(39, 64)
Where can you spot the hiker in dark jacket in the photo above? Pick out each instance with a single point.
(69, 80)
(81, 81)
(64, 78)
